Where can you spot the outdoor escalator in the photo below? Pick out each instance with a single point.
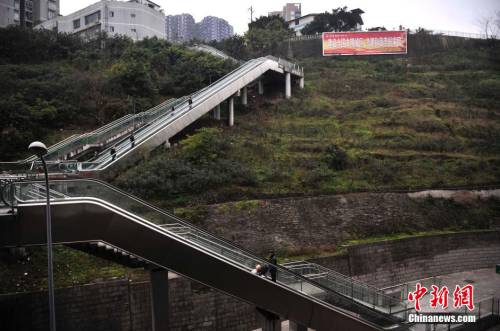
(86, 211)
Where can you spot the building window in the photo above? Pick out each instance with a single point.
(132, 15)
(76, 24)
(112, 14)
(133, 30)
(92, 18)
(52, 14)
(111, 29)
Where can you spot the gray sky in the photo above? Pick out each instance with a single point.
(450, 15)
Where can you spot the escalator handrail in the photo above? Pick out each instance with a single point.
(230, 245)
(145, 222)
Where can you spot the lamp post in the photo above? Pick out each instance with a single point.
(39, 149)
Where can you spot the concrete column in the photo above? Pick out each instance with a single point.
(167, 144)
(217, 112)
(244, 96)
(267, 320)
(301, 82)
(159, 299)
(293, 326)
(238, 93)
(231, 111)
(288, 85)
(261, 87)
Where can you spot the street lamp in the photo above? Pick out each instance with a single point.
(39, 149)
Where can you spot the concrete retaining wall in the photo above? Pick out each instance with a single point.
(393, 262)
(121, 305)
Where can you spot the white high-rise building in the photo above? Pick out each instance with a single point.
(27, 12)
(136, 19)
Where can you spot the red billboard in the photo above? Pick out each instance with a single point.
(364, 43)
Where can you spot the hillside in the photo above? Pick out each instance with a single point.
(428, 120)
(54, 85)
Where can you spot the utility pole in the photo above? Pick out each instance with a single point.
(251, 10)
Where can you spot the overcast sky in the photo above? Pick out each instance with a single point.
(451, 15)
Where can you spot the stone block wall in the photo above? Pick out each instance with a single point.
(394, 262)
(121, 305)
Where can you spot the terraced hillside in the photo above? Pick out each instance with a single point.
(360, 124)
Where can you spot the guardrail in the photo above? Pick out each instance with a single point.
(363, 293)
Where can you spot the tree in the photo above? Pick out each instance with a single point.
(490, 25)
(234, 46)
(266, 33)
(339, 19)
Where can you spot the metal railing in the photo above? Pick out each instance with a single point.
(143, 125)
(401, 290)
(83, 190)
(363, 293)
(482, 309)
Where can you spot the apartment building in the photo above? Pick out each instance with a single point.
(27, 12)
(180, 28)
(289, 12)
(137, 19)
(213, 28)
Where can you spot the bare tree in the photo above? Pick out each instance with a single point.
(490, 25)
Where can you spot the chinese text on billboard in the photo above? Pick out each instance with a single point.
(364, 43)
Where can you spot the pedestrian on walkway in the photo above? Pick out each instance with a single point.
(132, 141)
(112, 151)
(190, 102)
(273, 262)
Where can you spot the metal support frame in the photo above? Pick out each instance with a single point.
(159, 299)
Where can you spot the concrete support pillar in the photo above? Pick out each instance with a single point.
(261, 87)
(159, 299)
(288, 85)
(301, 82)
(267, 320)
(217, 112)
(293, 326)
(244, 96)
(167, 144)
(238, 93)
(231, 111)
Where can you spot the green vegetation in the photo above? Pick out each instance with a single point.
(264, 37)
(71, 267)
(339, 19)
(360, 124)
(55, 82)
(341, 249)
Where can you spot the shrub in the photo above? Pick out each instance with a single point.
(336, 158)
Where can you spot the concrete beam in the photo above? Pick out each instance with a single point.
(261, 87)
(231, 111)
(288, 85)
(159, 299)
(244, 96)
